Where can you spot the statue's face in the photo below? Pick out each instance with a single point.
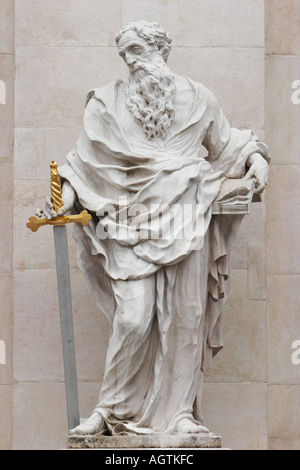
(134, 50)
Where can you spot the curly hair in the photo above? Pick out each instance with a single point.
(153, 33)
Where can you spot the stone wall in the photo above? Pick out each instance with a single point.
(6, 215)
(282, 223)
(64, 48)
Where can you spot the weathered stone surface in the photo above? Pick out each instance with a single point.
(5, 413)
(67, 23)
(284, 412)
(237, 412)
(282, 27)
(6, 328)
(37, 337)
(62, 102)
(204, 23)
(283, 328)
(243, 357)
(282, 131)
(6, 107)
(39, 416)
(30, 154)
(147, 441)
(251, 229)
(6, 245)
(279, 443)
(6, 27)
(283, 227)
(256, 270)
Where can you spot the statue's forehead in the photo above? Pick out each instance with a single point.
(128, 38)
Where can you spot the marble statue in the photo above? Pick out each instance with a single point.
(140, 158)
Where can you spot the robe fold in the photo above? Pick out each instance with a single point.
(125, 180)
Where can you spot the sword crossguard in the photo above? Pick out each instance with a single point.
(35, 223)
(83, 218)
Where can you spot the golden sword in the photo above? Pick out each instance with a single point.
(35, 223)
(64, 290)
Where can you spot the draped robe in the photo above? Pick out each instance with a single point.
(114, 169)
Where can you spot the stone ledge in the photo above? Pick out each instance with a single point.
(149, 441)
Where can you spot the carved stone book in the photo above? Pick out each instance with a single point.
(235, 197)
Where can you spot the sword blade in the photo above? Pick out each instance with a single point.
(66, 321)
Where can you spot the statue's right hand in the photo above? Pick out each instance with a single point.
(47, 211)
(68, 197)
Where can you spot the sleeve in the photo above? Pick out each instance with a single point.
(229, 148)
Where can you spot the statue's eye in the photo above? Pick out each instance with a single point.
(137, 49)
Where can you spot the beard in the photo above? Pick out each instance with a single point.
(150, 97)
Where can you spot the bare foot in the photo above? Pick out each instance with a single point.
(93, 425)
(186, 426)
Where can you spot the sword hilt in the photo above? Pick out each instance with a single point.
(56, 196)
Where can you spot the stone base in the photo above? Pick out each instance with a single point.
(149, 441)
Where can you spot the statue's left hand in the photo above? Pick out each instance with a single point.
(259, 170)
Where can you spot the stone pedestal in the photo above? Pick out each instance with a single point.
(97, 441)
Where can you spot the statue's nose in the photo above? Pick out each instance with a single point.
(129, 59)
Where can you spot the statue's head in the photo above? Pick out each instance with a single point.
(150, 36)
(145, 48)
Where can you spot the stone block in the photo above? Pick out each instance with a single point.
(283, 226)
(6, 106)
(205, 23)
(282, 27)
(59, 143)
(237, 412)
(162, 441)
(243, 358)
(6, 312)
(6, 182)
(234, 75)
(278, 443)
(67, 23)
(5, 413)
(6, 27)
(30, 154)
(91, 332)
(39, 416)
(284, 412)
(256, 271)
(6, 245)
(52, 83)
(37, 336)
(36, 148)
(252, 229)
(283, 328)
(283, 116)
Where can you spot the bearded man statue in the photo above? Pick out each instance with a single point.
(155, 257)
